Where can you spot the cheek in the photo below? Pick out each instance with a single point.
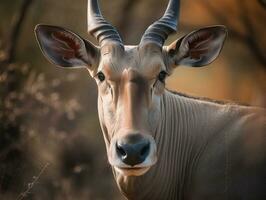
(108, 112)
(158, 88)
(107, 105)
(154, 113)
(105, 92)
(109, 116)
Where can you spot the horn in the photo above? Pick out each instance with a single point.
(99, 27)
(161, 29)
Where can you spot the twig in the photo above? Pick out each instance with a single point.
(31, 184)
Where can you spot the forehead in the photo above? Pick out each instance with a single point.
(148, 61)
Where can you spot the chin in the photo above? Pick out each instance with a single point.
(132, 171)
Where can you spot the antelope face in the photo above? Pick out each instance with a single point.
(130, 79)
(130, 83)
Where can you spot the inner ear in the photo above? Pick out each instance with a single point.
(198, 48)
(65, 48)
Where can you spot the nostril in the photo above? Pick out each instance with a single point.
(132, 149)
(145, 150)
(120, 150)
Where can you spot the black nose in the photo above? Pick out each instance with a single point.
(133, 149)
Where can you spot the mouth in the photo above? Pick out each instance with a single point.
(132, 171)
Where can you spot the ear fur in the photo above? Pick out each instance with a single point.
(64, 48)
(198, 48)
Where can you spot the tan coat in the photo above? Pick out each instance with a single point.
(206, 150)
(163, 145)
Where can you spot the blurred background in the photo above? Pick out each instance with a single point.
(51, 146)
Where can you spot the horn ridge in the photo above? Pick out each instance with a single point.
(98, 27)
(159, 31)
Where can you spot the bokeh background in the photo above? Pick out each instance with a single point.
(51, 146)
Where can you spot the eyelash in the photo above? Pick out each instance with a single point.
(162, 76)
(101, 76)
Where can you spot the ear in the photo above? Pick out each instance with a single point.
(65, 48)
(198, 48)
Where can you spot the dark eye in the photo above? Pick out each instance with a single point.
(162, 75)
(101, 76)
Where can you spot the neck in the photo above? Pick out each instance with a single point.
(179, 146)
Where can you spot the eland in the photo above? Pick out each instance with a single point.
(161, 144)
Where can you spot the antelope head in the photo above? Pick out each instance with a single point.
(130, 79)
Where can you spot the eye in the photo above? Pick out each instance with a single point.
(162, 75)
(101, 76)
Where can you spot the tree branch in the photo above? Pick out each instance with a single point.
(125, 13)
(263, 3)
(249, 37)
(233, 33)
(251, 34)
(11, 42)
